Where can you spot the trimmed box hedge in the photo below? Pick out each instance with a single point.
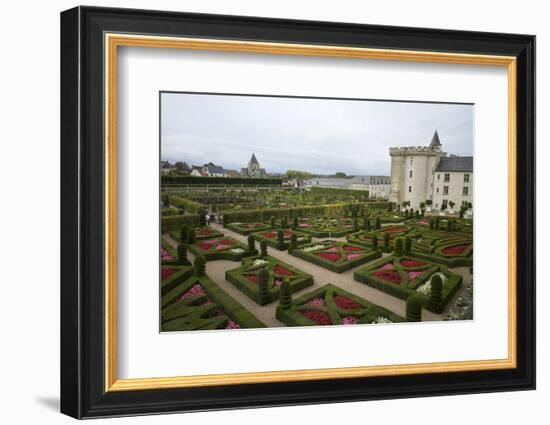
(335, 256)
(246, 277)
(331, 305)
(221, 249)
(201, 233)
(271, 238)
(200, 304)
(248, 228)
(172, 276)
(323, 227)
(402, 277)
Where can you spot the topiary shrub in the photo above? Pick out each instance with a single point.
(182, 252)
(431, 223)
(398, 247)
(449, 225)
(355, 224)
(199, 266)
(293, 241)
(378, 223)
(263, 278)
(414, 308)
(183, 233)
(202, 219)
(284, 222)
(386, 241)
(435, 301)
(374, 242)
(285, 295)
(295, 223)
(272, 221)
(280, 239)
(251, 243)
(191, 237)
(366, 223)
(408, 244)
(263, 248)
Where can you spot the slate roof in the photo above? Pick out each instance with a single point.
(253, 160)
(435, 140)
(456, 163)
(214, 169)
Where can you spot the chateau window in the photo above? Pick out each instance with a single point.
(465, 190)
(437, 190)
(411, 161)
(438, 176)
(445, 190)
(466, 178)
(410, 189)
(411, 173)
(447, 177)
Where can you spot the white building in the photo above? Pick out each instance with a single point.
(378, 186)
(426, 173)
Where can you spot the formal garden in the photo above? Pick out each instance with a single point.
(292, 257)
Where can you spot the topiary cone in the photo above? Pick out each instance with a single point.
(263, 279)
(191, 238)
(285, 296)
(408, 244)
(280, 239)
(398, 247)
(199, 265)
(263, 248)
(182, 252)
(183, 233)
(414, 308)
(293, 241)
(435, 301)
(251, 243)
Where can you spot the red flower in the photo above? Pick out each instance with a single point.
(269, 235)
(390, 276)
(394, 229)
(165, 273)
(319, 317)
(346, 303)
(288, 233)
(226, 242)
(412, 263)
(205, 231)
(206, 245)
(349, 248)
(454, 250)
(251, 277)
(280, 270)
(331, 256)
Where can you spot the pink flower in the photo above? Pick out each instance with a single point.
(165, 255)
(196, 289)
(232, 325)
(277, 282)
(387, 266)
(349, 320)
(223, 246)
(316, 302)
(352, 256)
(414, 275)
(333, 249)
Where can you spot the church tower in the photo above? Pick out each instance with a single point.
(254, 167)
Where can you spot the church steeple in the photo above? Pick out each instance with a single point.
(435, 140)
(253, 159)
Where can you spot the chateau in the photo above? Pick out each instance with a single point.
(253, 169)
(426, 173)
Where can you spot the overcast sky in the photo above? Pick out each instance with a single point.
(322, 136)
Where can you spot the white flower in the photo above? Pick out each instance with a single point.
(237, 250)
(312, 248)
(426, 287)
(381, 319)
(259, 262)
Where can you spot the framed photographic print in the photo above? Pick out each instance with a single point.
(261, 212)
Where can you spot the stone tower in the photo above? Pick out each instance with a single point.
(412, 172)
(254, 167)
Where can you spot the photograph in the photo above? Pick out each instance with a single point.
(287, 211)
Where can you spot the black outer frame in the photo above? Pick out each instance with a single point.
(82, 206)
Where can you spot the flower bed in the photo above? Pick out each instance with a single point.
(245, 278)
(330, 305)
(322, 227)
(205, 232)
(393, 277)
(270, 237)
(221, 249)
(200, 304)
(248, 228)
(335, 256)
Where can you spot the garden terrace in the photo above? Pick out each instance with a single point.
(271, 238)
(330, 305)
(246, 278)
(223, 248)
(323, 227)
(335, 256)
(248, 228)
(201, 233)
(200, 304)
(406, 276)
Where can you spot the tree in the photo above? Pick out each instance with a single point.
(414, 308)
(251, 243)
(293, 241)
(263, 248)
(435, 301)
(199, 266)
(452, 204)
(429, 202)
(191, 238)
(298, 175)
(285, 295)
(280, 239)
(398, 247)
(182, 252)
(263, 290)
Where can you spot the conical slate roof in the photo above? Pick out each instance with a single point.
(435, 140)
(253, 160)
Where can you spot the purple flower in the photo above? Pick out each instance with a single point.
(349, 320)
